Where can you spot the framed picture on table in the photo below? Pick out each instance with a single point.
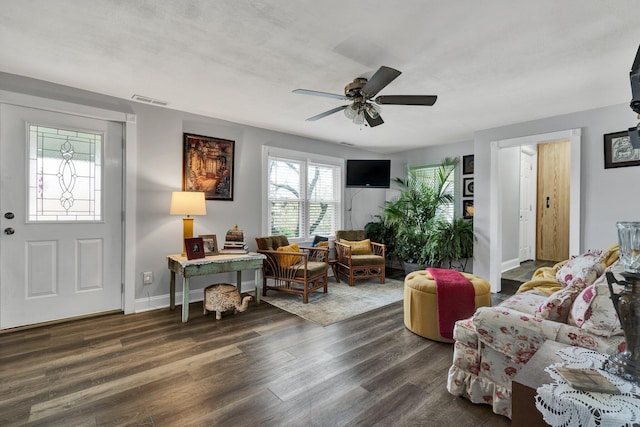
(210, 242)
(195, 248)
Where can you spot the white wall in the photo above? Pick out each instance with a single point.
(160, 173)
(510, 204)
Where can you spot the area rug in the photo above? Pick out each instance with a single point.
(342, 301)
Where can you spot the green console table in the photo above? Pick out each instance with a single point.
(211, 265)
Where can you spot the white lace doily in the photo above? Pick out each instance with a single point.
(562, 405)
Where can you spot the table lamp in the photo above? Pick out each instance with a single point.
(187, 203)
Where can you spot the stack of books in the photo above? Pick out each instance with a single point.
(234, 242)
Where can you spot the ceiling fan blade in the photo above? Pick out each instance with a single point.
(379, 80)
(316, 93)
(326, 113)
(406, 99)
(373, 122)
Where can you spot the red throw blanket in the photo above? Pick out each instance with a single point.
(456, 298)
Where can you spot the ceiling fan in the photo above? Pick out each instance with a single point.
(361, 93)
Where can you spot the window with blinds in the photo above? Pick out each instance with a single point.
(428, 174)
(303, 197)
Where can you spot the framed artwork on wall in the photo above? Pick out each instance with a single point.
(208, 166)
(467, 164)
(467, 187)
(618, 151)
(467, 209)
(210, 242)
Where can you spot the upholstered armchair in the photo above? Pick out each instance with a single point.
(292, 269)
(358, 257)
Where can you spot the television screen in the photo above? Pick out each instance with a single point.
(368, 173)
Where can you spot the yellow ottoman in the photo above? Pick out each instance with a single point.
(421, 302)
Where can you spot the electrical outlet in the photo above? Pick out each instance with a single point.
(147, 278)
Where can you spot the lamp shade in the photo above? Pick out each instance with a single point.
(188, 203)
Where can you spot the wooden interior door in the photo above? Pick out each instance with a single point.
(554, 166)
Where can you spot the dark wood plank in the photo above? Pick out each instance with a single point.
(260, 367)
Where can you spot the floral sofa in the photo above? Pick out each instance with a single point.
(569, 303)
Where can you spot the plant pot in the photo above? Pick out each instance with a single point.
(411, 266)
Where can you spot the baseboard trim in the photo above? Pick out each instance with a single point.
(510, 264)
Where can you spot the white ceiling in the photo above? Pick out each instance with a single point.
(491, 63)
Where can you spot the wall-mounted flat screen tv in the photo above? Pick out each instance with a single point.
(368, 173)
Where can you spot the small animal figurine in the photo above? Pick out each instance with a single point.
(223, 297)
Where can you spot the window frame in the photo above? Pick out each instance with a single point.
(456, 177)
(306, 159)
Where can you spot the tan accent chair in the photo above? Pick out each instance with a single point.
(302, 273)
(354, 266)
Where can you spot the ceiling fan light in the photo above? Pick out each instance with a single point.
(350, 112)
(359, 118)
(372, 110)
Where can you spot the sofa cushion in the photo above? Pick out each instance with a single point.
(512, 333)
(593, 310)
(314, 268)
(526, 302)
(366, 260)
(271, 243)
(287, 260)
(557, 306)
(320, 239)
(361, 247)
(582, 270)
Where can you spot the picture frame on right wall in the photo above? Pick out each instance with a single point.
(467, 187)
(467, 164)
(467, 209)
(618, 151)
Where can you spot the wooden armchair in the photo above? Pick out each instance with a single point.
(291, 270)
(357, 257)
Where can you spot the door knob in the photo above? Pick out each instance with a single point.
(9, 215)
(9, 231)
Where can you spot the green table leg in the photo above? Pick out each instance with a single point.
(172, 290)
(258, 279)
(185, 300)
(239, 282)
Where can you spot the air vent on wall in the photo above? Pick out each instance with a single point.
(148, 100)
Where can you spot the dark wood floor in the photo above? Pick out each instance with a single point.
(526, 269)
(262, 367)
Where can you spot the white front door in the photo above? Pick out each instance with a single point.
(61, 216)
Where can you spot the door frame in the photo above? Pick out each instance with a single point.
(495, 196)
(129, 172)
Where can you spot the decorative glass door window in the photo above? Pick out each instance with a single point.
(65, 175)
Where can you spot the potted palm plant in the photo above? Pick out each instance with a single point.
(452, 243)
(381, 232)
(415, 212)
